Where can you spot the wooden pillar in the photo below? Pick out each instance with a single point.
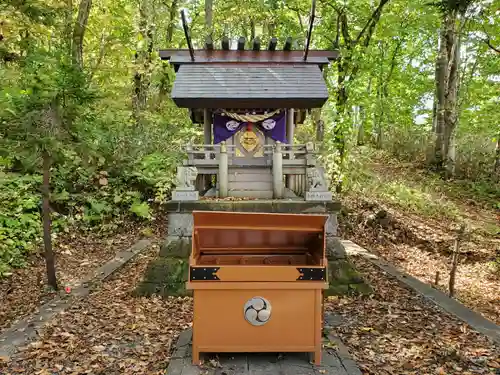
(290, 126)
(207, 126)
(207, 140)
(223, 171)
(290, 131)
(277, 172)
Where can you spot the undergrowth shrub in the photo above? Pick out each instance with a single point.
(20, 224)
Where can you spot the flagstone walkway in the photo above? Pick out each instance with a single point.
(335, 361)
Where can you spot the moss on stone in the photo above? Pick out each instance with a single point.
(361, 289)
(166, 277)
(345, 280)
(342, 272)
(179, 248)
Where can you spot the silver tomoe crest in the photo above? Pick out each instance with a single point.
(232, 125)
(268, 124)
(257, 311)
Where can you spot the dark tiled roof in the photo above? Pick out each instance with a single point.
(249, 86)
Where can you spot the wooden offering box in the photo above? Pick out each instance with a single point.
(257, 281)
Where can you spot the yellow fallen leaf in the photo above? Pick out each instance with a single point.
(366, 329)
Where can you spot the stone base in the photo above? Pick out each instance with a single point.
(185, 195)
(180, 218)
(167, 275)
(321, 196)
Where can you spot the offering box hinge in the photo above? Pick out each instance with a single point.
(312, 274)
(203, 273)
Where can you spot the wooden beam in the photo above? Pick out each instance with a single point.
(186, 34)
(225, 43)
(256, 44)
(209, 43)
(272, 44)
(288, 44)
(241, 43)
(309, 32)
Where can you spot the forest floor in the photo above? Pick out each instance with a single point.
(110, 332)
(409, 217)
(77, 254)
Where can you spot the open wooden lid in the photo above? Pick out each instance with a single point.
(311, 223)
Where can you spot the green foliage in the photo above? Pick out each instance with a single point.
(20, 225)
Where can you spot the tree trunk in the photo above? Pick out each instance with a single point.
(143, 60)
(448, 65)
(47, 238)
(171, 22)
(164, 86)
(319, 125)
(451, 118)
(209, 16)
(441, 83)
(68, 27)
(496, 166)
(362, 124)
(79, 32)
(252, 31)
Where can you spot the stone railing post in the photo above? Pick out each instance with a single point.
(277, 172)
(223, 171)
(189, 152)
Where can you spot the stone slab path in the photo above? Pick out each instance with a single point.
(450, 305)
(27, 329)
(334, 362)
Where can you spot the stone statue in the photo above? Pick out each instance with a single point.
(186, 177)
(316, 179)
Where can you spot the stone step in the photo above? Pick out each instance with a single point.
(259, 194)
(251, 185)
(247, 177)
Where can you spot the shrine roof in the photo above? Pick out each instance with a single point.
(250, 57)
(264, 85)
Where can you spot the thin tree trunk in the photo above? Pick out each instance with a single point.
(441, 85)
(362, 125)
(362, 117)
(143, 61)
(171, 22)
(209, 16)
(454, 261)
(68, 27)
(164, 85)
(448, 66)
(452, 105)
(319, 124)
(252, 31)
(79, 32)
(47, 238)
(496, 166)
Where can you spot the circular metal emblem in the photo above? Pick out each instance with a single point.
(232, 125)
(269, 124)
(257, 311)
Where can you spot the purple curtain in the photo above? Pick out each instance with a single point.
(273, 127)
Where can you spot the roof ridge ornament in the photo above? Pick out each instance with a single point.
(309, 32)
(186, 33)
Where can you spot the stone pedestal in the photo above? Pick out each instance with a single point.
(185, 195)
(167, 274)
(180, 218)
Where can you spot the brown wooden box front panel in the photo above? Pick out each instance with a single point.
(220, 326)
